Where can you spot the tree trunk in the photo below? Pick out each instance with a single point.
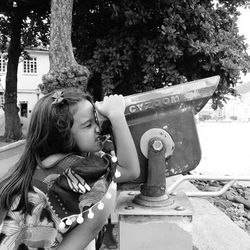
(64, 70)
(13, 129)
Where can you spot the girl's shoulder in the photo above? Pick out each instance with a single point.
(54, 160)
(92, 163)
(90, 168)
(97, 159)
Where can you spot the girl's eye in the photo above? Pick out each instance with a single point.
(87, 125)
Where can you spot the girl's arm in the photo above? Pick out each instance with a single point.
(79, 237)
(113, 108)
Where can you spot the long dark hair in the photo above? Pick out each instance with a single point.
(48, 133)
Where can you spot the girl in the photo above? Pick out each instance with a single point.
(61, 192)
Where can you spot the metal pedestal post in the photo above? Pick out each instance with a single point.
(151, 219)
(154, 228)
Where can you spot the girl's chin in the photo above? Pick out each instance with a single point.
(98, 147)
(95, 149)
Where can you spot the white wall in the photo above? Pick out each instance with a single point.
(27, 83)
(31, 81)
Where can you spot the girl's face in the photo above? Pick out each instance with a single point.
(85, 130)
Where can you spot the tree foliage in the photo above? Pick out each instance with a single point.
(136, 45)
(34, 23)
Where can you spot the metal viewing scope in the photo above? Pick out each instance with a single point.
(163, 127)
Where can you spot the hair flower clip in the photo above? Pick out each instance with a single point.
(57, 97)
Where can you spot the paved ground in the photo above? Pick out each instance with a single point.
(9, 157)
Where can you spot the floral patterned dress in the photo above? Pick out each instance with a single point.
(58, 197)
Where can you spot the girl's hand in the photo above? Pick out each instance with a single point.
(112, 106)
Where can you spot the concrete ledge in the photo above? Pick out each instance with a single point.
(212, 229)
(12, 145)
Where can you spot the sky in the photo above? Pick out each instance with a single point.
(243, 23)
(244, 29)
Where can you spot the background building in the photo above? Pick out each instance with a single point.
(236, 108)
(30, 72)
